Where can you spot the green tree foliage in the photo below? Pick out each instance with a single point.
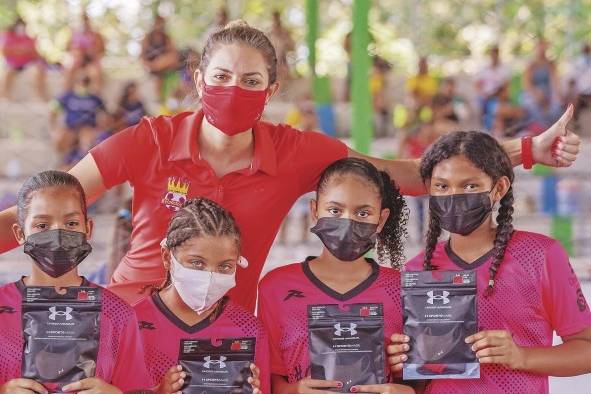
(401, 29)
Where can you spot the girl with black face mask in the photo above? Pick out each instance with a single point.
(526, 286)
(54, 228)
(356, 207)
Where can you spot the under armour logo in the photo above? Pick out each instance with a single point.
(146, 325)
(209, 362)
(7, 309)
(55, 312)
(339, 329)
(443, 297)
(293, 293)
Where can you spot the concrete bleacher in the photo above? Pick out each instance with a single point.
(25, 148)
(25, 143)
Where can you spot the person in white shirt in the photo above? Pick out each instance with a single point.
(491, 79)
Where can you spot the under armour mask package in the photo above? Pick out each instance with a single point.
(61, 334)
(440, 312)
(346, 344)
(217, 366)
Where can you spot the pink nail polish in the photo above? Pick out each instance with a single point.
(354, 389)
(340, 384)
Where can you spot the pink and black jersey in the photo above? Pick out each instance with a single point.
(162, 332)
(120, 360)
(536, 292)
(284, 296)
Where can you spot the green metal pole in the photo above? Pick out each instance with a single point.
(312, 33)
(362, 109)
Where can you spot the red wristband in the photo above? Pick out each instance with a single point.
(527, 153)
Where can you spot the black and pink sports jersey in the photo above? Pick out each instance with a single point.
(120, 360)
(162, 332)
(536, 292)
(284, 296)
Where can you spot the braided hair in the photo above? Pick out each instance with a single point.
(199, 217)
(390, 246)
(487, 155)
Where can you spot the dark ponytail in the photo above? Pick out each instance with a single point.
(391, 238)
(390, 247)
(489, 156)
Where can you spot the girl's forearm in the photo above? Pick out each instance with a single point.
(568, 359)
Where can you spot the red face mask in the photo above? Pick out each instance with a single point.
(232, 109)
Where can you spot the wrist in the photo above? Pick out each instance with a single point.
(527, 152)
(521, 362)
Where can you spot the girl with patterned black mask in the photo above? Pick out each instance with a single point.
(526, 286)
(356, 208)
(54, 228)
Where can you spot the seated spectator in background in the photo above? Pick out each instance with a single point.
(490, 79)
(580, 78)
(109, 124)
(378, 81)
(78, 132)
(221, 20)
(131, 108)
(422, 87)
(19, 51)
(189, 60)
(159, 54)
(121, 240)
(303, 117)
(451, 104)
(541, 96)
(413, 145)
(503, 118)
(349, 77)
(281, 39)
(87, 48)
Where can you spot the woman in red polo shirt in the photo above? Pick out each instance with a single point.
(223, 152)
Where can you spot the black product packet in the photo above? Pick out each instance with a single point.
(61, 334)
(220, 367)
(440, 311)
(346, 344)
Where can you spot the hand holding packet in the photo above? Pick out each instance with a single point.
(439, 313)
(61, 334)
(219, 366)
(347, 343)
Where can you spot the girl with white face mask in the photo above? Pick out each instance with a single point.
(201, 253)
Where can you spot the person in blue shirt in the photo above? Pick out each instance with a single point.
(79, 108)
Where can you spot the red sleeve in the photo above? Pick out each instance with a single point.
(315, 151)
(564, 302)
(123, 156)
(130, 371)
(265, 313)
